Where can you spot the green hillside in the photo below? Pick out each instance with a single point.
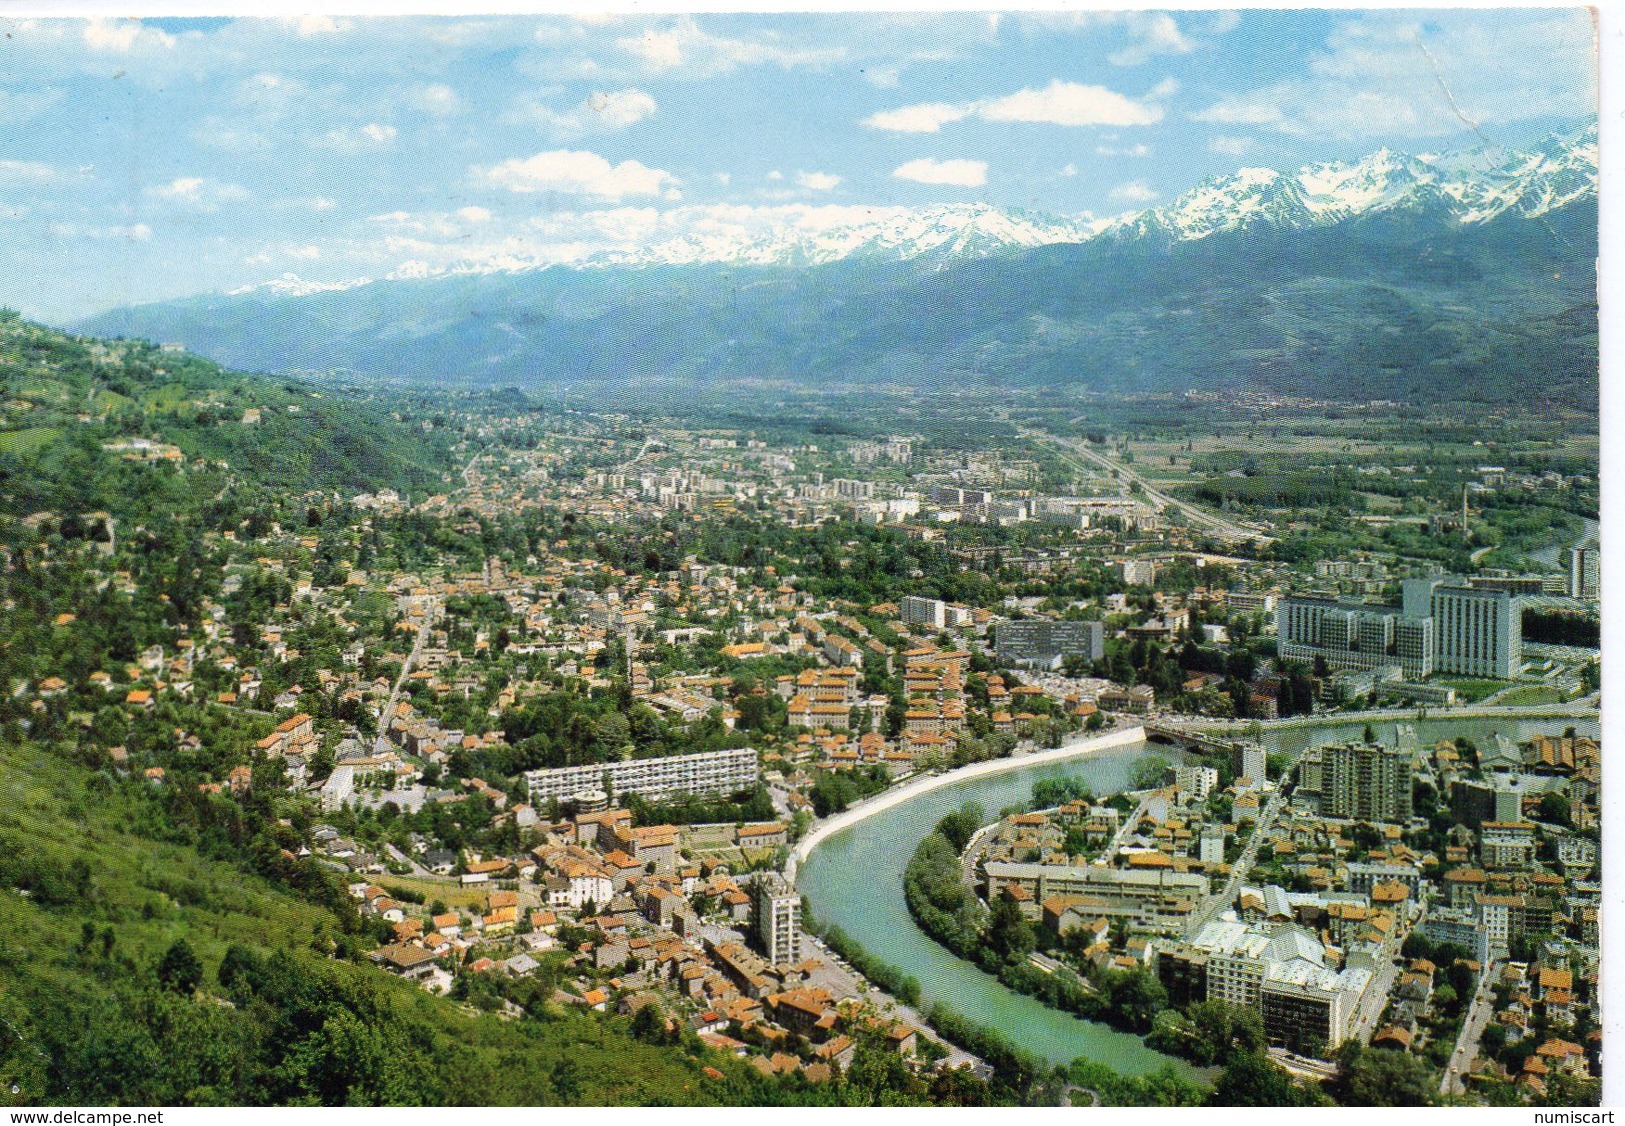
(92, 898)
(65, 399)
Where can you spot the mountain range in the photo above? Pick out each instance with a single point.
(1467, 274)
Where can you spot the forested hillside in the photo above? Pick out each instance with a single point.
(129, 427)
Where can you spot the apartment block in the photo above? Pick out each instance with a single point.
(713, 772)
(1046, 644)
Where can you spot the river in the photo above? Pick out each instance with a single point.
(854, 878)
(1551, 554)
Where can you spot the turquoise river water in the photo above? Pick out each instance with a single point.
(854, 879)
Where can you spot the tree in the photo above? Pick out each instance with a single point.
(1148, 773)
(1008, 932)
(1253, 1079)
(959, 825)
(1219, 1027)
(179, 968)
(1378, 1078)
(1554, 808)
(649, 1025)
(1136, 997)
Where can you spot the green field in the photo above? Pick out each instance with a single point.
(1470, 689)
(1533, 694)
(29, 440)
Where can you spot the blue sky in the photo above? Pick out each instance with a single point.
(141, 160)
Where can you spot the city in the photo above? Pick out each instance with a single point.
(1107, 625)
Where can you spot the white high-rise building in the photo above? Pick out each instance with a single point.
(778, 919)
(916, 611)
(1195, 782)
(1475, 632)
(1585, 571)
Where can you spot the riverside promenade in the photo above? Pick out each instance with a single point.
(920, 784)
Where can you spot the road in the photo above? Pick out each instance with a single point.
(381, 743)
(1375, 998)
(1213, 904)
(973, 853)
(1094, 1096)
(843, 981)
(1585, 707)
(1472, 1030)
(1218, 525)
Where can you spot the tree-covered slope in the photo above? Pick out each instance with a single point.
(100, 882)
(64, 400)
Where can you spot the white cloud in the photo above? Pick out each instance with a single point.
(22, 171)
(1123, 150)
(775, 175)
(818, 181)
(308, 27)
(197, 192)
(474, 215)
(369, 136)
(958, 173)
(1070, 170)
(684, 46)
(436, 99)
(1136, 191)
(1250, 110)
(579, 173)
(268, 98)
(121, 36)
(1155, 33)
(1071, 103)
(599, 112)
(926, 118)
(133, 232)
(1231, 146)
(1386, 74)
(17, 107)
(1059, 103)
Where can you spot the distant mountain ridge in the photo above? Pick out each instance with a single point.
(1465, 275)
(1470, 186)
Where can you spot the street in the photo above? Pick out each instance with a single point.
(1214, 904)
(1472, 1030)
(1207, 521)
(381, 743)
(843, 981)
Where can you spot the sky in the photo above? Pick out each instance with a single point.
(142, 160)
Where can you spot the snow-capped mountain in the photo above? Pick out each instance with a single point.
(1310, 293)
(292, 285)
(1469, 186)
(818, 236)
